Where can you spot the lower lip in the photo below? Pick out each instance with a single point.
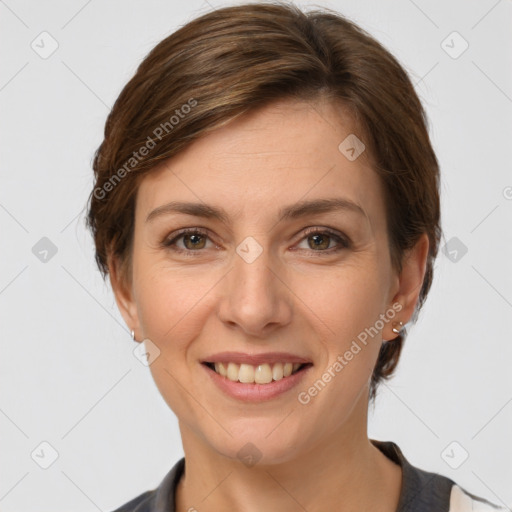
(249, 392)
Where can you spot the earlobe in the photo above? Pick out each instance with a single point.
(410, 283)
(123, 294)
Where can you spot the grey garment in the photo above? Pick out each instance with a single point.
(422, 491)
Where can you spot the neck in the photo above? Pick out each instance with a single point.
(344, 472)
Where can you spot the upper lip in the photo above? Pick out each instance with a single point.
(255, 359)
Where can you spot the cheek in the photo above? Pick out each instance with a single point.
(173, 305)
(344, 300)
(173, 310)
(345, 306)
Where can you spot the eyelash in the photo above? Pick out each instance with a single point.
(344, 243)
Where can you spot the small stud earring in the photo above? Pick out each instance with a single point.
(394, 329)
(133, 336)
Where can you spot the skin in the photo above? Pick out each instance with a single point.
(294, 297)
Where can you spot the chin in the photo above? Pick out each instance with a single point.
(263, 442)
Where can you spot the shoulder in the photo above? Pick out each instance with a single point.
(142, 503)
(463, 501)
(161, 498)
(426, 491)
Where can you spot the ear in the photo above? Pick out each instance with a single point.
(123, 293)
(409, 284)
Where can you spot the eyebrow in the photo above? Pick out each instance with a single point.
(298, 210)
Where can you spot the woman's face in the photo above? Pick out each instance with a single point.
(257, 282)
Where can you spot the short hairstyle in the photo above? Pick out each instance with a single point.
(236, 59)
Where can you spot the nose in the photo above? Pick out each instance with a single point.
(256, 297)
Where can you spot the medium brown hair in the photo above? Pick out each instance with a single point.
(236, 59)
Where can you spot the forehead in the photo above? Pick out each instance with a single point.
(277, 155)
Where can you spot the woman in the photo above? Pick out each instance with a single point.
(267, 208)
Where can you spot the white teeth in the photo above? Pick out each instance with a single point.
(232, 373)
(277, 371)
(246, 373)
(261, 374)
(220, 368)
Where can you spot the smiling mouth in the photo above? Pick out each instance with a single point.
(256, 374)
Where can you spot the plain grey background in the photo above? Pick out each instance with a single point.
(68, 378)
